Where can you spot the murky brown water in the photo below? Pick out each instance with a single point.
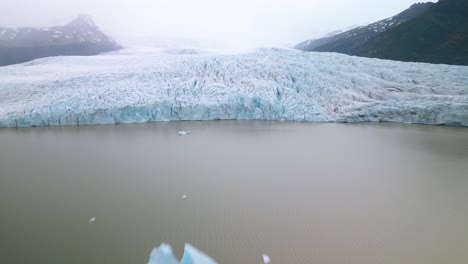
(299, 192)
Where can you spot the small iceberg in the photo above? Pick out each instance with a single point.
(266, 259)
(183, 133)
(184, 197)
(195, 256)
(92, 220)
(163, 255)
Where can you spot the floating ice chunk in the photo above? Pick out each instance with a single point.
(184, 197)
(266, 259)
(195, 256)
(183, 133)
(163, 255)
(92, 220)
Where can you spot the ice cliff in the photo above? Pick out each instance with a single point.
(264, 84)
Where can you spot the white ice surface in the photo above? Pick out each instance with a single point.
(265, 84)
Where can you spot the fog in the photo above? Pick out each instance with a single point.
(233, 23)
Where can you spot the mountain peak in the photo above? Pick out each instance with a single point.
(83, 20)
(417, 5)
(80, 37)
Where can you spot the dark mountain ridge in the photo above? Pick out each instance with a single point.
(348, 41)
(81, 37)
(438, 36)
(426, 32)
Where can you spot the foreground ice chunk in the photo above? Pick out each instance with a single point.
(163, 255)
(266, 259)
(195, 256)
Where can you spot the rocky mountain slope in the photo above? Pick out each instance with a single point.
(347, 42)
(79, 37)
(438, 36)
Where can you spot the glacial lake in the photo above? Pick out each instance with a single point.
(300, 192)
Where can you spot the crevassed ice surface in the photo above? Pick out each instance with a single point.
(268, 84)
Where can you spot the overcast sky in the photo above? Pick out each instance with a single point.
(237, 22)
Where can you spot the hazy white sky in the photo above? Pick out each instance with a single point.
(236, 22)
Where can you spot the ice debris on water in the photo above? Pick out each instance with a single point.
(266, 259)
(92, 220)
(184, 197)
(164, 255)
(183, 133)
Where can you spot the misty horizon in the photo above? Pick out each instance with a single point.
(240, 24)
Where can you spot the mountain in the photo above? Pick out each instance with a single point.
(438, 36)
(310, 45)
(79, 37)
(347, 42)
(265, 84)
(313, 43)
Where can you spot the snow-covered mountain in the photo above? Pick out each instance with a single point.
(346, 42)
(315, 42)
(79, 37)
(440, 35)
(266, 84)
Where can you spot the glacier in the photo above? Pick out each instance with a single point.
(134, 86)
(163, 255)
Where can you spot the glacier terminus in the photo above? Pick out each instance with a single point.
(135, 86)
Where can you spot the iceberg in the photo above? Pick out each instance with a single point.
(183, 133)
(163, 255)
(261, 84)
(194, 256)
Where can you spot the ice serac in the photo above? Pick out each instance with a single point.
(264, 84)
(163, 255)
